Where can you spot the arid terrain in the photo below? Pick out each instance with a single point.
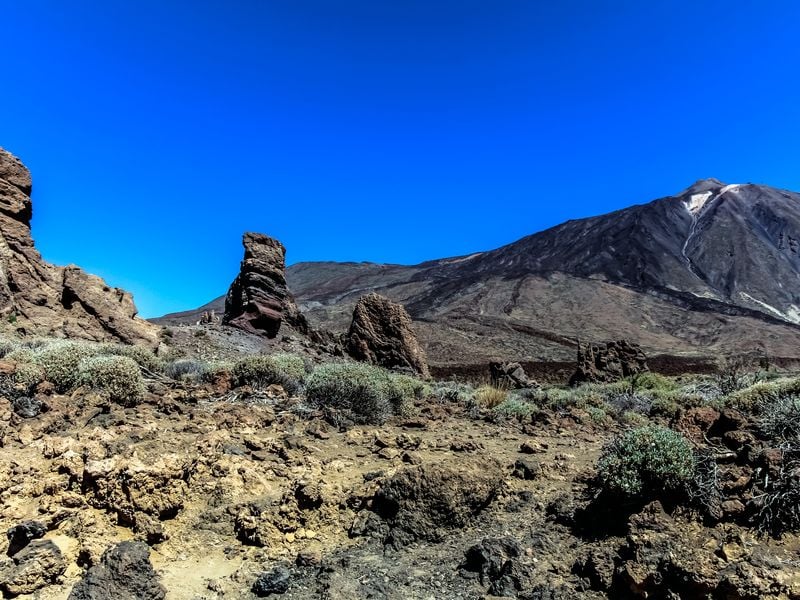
(255, 449)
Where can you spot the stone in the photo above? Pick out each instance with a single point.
(381, 333)
(21, 535)
(37, 565)
(426, 501)
(509, 376)
(608, 362)
(696, 422)
(526, 469)
(274, 581)
(258, 300)
(489, 557)
(124, 571)
(28, 408)
(40, 298)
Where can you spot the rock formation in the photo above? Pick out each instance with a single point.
(604, 363)
(509, 375)
(381, 333)
(258, 300)
(44, 299)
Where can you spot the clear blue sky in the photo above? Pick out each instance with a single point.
(382, 130)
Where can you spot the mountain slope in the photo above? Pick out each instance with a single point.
(713, 269)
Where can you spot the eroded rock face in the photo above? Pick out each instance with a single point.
(44, 299)
(605, 363)
(381, 333)
(258, 300)
(124, 572)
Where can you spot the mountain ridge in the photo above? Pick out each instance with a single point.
(724, 256)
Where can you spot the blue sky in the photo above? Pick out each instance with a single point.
(390, 131)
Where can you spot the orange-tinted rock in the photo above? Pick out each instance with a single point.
(258, 300)
(381, 333)
(45, 299)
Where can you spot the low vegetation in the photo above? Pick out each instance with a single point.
(119, 377)
(646, 463)
(261, 371)
(367, 393)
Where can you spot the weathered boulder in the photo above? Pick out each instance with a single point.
(38, 564)
(426, 501)
(45, 299)
(259, 300)
(608, 362)
(124, 572)
(509, 375)
(381, 333)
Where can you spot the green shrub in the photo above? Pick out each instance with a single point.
(260, 371)
(451, 391)
(750, 398)
(186, 369)
(597, 415)
(515, 408)
(117, 376)
(652, 381)
(144, 357)
(633, 418)
(60, 361)
(362, 390)
(20, 355)
(662, 407)
(403, 391)
(29, 375)
(646, 463)
(7, 347)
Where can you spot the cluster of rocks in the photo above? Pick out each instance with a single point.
(259, 301)
(608, 362)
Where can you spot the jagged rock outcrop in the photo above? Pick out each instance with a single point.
(45, 299)
(381, 333)
(509, 375)
(604, 363)
(258, 300)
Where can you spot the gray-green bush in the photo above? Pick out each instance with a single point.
(61, 360)
(646, 463)
(367, 393)
(117, 376)
(261, 370)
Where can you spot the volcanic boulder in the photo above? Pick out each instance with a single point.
(258, 300)
(605, 363)
(44, 299)
(381, 333)
(509, 375)
(124, 571)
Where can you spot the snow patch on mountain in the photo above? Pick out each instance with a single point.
(792, 314)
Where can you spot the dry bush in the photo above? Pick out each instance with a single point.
(490, 396)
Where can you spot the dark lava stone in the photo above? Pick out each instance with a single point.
(21, 535)
(28, 408)
(274, 581)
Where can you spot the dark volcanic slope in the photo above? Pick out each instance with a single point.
(713, 269)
